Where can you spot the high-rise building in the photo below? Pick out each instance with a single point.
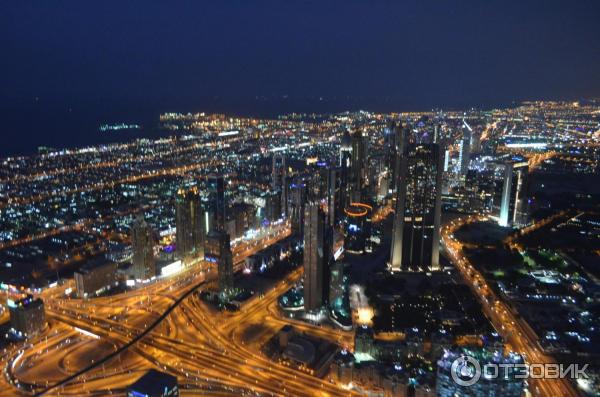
(189, 219)
(464, 155)
(314, 254)
(334, 196)
(436, 133)
(279, 181)
(415, 239)
(514, 205)
(218, 250)
(216, 198)
(345, 163)
(357, 166)
(357, 228)
(446, 160)
(297, 200)
(476, 141)
(27, 315)
(273, 205)
(400, 135)
(142, 240)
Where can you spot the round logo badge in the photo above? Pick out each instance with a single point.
(465, 371)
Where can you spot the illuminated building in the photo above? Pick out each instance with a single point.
(273, 202)
(338, 280)
(216, 197)
(279, 181)
(465, 150)
(218, 250)
(357, 228)
(357, 166)
(334, 195)
(297, 201)
(476, 142)
(189, 219)
(338, 299)
(513, 207)
(390, 133)
(341, 368)
(415, 239)
(154, 384)
(464, 153)
(27, 315)
(301, 351)
(345, 163)
(142, 239)
(446, 160)
(95, 277)
(314, 255)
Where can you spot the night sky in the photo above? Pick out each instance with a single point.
(68, 65)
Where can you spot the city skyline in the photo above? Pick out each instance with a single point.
(303, 199)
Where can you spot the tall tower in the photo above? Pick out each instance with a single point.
(334, 196)
(436, 133)
(279, 180)
(297, 200)
(345, 163)
(216, 195)
(189, 222)
(465, 150)
(218, 250)
(400, 188)
(142, 240)
(272, 205)
(396, 137)
(357, 165)
(314, 254)
(415, 245)
(513, 207)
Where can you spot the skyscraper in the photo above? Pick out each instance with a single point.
(279, 181)
(218, 250)
(297, 200)
(415, 238)
(334, 196)
(357, 166)
(314, 254)
(189, 221)
(436, 133)
(217, 205)
(398, 133)
(344, 163)
(142, 239)
(464, 155)
(513, 207)
(272, 205)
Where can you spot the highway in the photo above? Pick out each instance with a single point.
(514, 330)
(163, 324)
